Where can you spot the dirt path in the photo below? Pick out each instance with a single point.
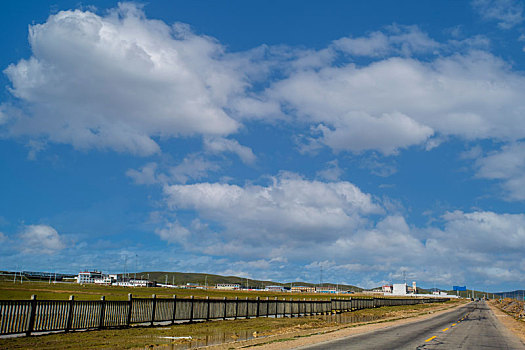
(293, 339)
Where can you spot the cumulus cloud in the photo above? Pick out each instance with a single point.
(290, 210)
(173, 232)
(346, 233)
(398, 102)
(192, 167)
(508, 13)
(484, 232)
(121, 80)
(145, 175)
(40, 239)
(508, 166)
(398, 40)
(332, 171)
(220, 145)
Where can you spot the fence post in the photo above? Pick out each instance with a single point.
(174, 309)
(102, 312)
(225, 305)
(70, 313)
(247, 309)
(191, 308)
(154, 301)
(276, 307)
(236, 307)
(130, 308)
(208, 308)
(32, 315)
(267, 307)
(258, 305)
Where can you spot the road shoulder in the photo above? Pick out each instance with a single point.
(516, 327)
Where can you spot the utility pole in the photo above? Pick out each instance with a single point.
(206, 282)
(125, 267)
(136, 258)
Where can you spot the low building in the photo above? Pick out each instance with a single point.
(330, 290)
(228, 286)
(135, 283)
(399, 289)
(85, 277)
(387, 288)
(274, 288)
(303, 289)
(441, 294)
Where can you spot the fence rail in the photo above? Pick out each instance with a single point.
(30, 316)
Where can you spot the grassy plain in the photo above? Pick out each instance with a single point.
(62, 291)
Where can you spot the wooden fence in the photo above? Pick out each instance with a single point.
(30, 316)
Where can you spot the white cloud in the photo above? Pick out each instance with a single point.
(3, 115)
(220, 145)
(145, 176)
(332, 171)
(119, 81)
(396, 103)
(289, 211)
(508, 166)
(40, 239)
(122, 81)
(192, 167)
(484, 232)
(399, 40)
(508, 13)
(173, 232)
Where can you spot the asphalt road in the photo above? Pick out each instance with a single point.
(473, 326)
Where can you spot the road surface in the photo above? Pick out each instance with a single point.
(472, 326)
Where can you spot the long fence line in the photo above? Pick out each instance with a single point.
(30, 316)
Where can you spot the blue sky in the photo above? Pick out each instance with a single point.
(266, 139)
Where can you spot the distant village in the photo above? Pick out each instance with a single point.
(125, 280)
(97, 277)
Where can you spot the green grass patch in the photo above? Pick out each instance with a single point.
(62, 291)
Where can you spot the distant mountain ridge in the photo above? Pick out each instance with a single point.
(181, 278)
(516, 294)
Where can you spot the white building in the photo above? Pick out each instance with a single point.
(96, 277)
(228, 286)
(274, 288)
(135, 283)
(399, 289)
(89, 277)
